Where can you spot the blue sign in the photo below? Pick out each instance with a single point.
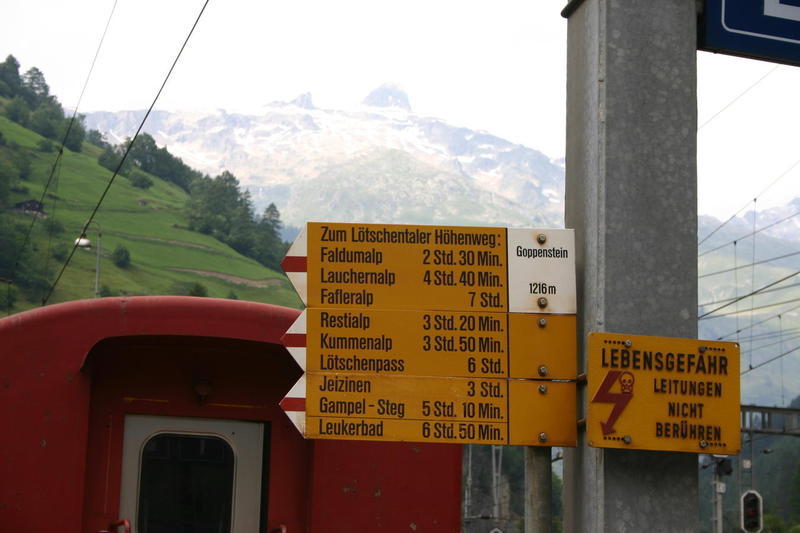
(760, 29)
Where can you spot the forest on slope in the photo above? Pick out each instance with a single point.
(163, 228)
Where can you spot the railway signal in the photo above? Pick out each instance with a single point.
(752, 507)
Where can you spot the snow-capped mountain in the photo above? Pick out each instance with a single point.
(377, 163)
(382, 163)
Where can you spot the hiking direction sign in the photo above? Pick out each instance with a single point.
(663, 393)
(408, 335)
(374, 266)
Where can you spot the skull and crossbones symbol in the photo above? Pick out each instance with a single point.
(626, 383)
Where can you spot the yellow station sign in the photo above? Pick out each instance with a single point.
(441, 343)
(428, 409)
(662, 393)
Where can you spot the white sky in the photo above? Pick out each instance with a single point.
(497, 66)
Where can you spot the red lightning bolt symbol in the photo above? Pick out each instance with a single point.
(604, 395)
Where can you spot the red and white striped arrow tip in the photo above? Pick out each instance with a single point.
(295, 264)
(295, 340)
(294, 403)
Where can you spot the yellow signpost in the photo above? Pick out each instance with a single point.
(662, 393)
(430, 409)
(407, 267)
(434, 334)
(441, 343)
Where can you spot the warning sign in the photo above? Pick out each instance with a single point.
(662, 393)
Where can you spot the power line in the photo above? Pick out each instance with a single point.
(753, 275)
(772, 334)
(780, 341)
(752, 309)
(718, 113)
(749, 234)
(753, 293)
(776, 289)
(124, 155)
(768, 361)
(759, 322)
(59, 155)
(723, 224)
(750, 265)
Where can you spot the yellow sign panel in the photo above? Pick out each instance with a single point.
(407, 267)
(543, 346)
(429, 409)
(661, 393)
(441, 343)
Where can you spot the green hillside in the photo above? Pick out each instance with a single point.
(166, 257)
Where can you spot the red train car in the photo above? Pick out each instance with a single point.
(164, 411)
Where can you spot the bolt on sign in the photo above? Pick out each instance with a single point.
(663, 393)
(408, 335)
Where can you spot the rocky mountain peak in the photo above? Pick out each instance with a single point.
(304, 101)
(388, 95)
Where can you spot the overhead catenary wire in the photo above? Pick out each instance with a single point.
(52, 229)
(785, 311)
(771, 225)
(781, 340)
(739, 267)
(767, 288)
(124, 155)
(765, 306)
(771, 334)
(775, 289)
(745, 206)
(729, 104)
(780, 372)
(750, 294)
(771, 360)
(753, 274)
(59, 154)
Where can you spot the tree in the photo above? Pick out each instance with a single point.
(22, 161)
(9, 76)
(270, 248)
(46, 145)
(77, 132)
(110, 158)
(198, 289)
(794, 497)
(216, 205)
(96, 138)
(105, 291)
(37, 88)
(8, 174)
(46, 120)
(773, 524)
(140, 180)
(158, 161)
(8, 296)
(18, 110)
(121, 256)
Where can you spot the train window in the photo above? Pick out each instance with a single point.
(192, 475)
(186, 484)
